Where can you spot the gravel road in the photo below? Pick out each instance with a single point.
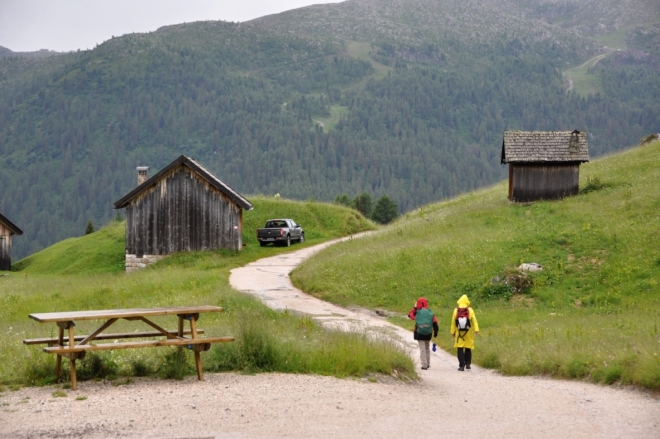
(445, 403)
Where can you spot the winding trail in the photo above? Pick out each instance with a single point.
(496, 406)
(445, 403)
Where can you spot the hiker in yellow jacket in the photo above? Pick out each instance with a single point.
(464, 326)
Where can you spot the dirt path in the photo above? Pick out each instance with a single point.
(294, 406)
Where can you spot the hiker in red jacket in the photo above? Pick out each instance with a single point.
(425, 325)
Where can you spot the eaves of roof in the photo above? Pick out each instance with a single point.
(199, 169)
(544, 146)
(11, 226)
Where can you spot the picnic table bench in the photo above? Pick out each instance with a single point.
(77, 346)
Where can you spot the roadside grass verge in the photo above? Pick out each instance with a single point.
(265, 342)
(288, 343)
(592, 313)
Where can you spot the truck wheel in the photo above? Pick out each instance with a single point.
(302, 238)
(263, 244)
(288, 241)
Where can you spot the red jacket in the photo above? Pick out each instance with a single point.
(423, 303)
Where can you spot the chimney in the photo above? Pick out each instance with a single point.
(142, 174)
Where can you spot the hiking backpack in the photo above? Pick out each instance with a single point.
(424, 321)
(462, 321)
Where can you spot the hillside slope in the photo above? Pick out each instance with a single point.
(86, 273)
(592, 312)
(103, 250)
(412, 97)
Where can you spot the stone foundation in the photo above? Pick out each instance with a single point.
(134, 263)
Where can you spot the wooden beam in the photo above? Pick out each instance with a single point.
(74, 382)
(138, 344)
(58, 362)
(158, 328)
(33, 341)
(93, 335)
(198, 358)
(69, 317)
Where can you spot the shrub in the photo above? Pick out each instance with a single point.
(612, 374)
(140, 368)
(97, 366)
(175, 365)
(42, 372)
(594, 184)
(575, 368)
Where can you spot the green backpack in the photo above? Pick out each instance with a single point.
(424, 321)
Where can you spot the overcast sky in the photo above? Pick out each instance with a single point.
(62, 25)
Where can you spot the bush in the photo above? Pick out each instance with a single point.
(42, 372)
(175, 365)
(612, 374)
(576, 368)
(594, 184)
(140, 368)
(97, 366)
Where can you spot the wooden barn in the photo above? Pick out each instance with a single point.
(544, 165)
(181, 208)
(7, 230)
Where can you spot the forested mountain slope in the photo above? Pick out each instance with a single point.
(404, 97)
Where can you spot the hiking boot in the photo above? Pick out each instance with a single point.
(467, 366)
(461, 369)
(424, 368)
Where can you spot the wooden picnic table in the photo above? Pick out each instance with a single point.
(77, 346)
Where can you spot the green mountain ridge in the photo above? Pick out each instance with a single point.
(412, 97)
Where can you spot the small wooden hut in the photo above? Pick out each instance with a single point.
(7, 230)
(544, 165)
(181, 208)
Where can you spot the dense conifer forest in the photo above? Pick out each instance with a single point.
(400, 104)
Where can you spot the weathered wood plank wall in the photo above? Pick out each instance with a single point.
(531, 181)
(182, 213)
(5, 248)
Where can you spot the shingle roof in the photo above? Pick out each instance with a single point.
(199, 169)
(11, 226)
(545, 146)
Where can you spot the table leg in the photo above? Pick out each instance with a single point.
(74, 381)
(180, 333)
(72, 342)
(198, 358)
(58, 361)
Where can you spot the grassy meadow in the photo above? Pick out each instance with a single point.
(86, 273)
(592, 313)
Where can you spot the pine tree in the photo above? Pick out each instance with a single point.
(90, 228)
(385, 210)
(364, 204)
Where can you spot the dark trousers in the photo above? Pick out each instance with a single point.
(464, 356)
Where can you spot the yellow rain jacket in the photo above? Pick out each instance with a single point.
(467, 339)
